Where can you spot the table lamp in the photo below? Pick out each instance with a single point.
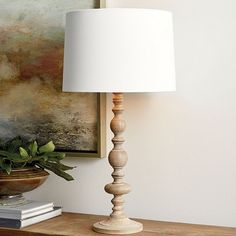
(117, 51)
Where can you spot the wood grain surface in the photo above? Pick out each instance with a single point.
(73, 224)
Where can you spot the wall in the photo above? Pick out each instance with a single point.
(182, 145)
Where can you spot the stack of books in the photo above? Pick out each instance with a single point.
(27, 213)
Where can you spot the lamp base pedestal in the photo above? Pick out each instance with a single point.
(117, 222)
(121, 226)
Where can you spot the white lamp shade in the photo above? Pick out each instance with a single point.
(119, 50)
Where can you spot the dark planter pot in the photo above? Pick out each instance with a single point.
(18, 182)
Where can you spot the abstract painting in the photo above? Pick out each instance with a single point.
(32, 104)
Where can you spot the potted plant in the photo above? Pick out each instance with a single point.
(23, 164)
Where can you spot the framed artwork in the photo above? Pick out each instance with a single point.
(32, 103)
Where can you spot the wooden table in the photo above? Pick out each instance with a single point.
(71, 224)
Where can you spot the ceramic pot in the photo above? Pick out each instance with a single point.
(20, 181)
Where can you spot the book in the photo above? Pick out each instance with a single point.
(16, 223)
(20, 216)
(25, 210)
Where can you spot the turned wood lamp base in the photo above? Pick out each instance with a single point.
(124, 226)
(118, 223)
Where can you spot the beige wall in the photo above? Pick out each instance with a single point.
(182, 146)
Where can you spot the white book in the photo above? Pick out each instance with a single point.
(20, 216)
(14, 223)
(25, 210)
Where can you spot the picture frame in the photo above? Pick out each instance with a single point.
(31, 58)
(101, 132)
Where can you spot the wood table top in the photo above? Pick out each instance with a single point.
(74, 224)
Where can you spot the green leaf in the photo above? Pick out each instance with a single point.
(4, 153)
(18, 153)
(14, 157)
(61, 166)
(65, 167)
(58, 155)
(5, 166)
(39, 158)
(49, 147)
(53, 168)
(14, 144)
(33, 147)
(23, 153)
(55, 156)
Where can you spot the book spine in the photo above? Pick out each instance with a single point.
(10, 223)
(56, 212)
(14, 223)
(39, 212)
(19, 216)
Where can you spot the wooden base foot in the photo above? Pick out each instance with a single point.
(122, 226)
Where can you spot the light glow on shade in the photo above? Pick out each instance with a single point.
(119, 50)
